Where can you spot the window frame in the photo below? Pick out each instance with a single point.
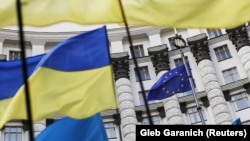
(14, 54)
(230, 75)
(19, 133)
(222, 51)
(138, 51)
(145, 75)
(110, 130)
(240, 97)
(195, 115)
(155, 120)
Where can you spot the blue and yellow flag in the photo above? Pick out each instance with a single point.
(74, 79)
(69, 129)
(164, 13)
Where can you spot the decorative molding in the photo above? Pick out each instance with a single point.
(120, 65)
(239, 36)
(25, 125)
(205, 101)
(247, 87)
(199, 47)
(159, 57)
(226, 95)
(117, 119)
(161, 111)
(183, 107)
(139, 116)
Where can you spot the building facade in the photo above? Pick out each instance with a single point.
(219, 61)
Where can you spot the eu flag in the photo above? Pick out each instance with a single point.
(170, 83)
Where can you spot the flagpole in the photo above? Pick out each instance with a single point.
(180, 43)
(25, 74)
(136, 63)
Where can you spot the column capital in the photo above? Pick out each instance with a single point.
(199, 47)
(120, 62)
(159, 57)
(238, 36)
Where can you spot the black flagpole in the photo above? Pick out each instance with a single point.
(24, 69)
(136, 63)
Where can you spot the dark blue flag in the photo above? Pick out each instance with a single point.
(170, 83)
(237, 122)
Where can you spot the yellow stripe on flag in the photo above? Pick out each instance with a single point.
(164, 13)
(75, 94)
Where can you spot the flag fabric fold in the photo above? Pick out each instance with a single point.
(69, 129)
(170, 83)
(12, 79)
(74, 79)
(163, 13)
(237, 122)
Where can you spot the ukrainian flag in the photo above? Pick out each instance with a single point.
(75, 79)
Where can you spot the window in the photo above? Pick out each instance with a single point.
(139, 51)
(213, 33)
(170, 43)
(141, 98)
(222, 53)
(13, 133)
(144, 73)
(110, 130)
(14, 55)
(194, 115)
(240, 101)
(231, 75)
(178, 62)
(155, 119)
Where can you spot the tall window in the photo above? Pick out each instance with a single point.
(194, 116)
(240, 101)
(178, 62)
(213, 33)
(155, 119)
(144, 74)
(13, 133)
(139, 51)
(222, 53)
(231, 75)
(14, 55)
(110, 130)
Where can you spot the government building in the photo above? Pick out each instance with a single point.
(220, 66)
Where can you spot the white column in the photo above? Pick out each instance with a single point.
(244, 54)
(172, 107)
(126, 106)
(214, 93)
